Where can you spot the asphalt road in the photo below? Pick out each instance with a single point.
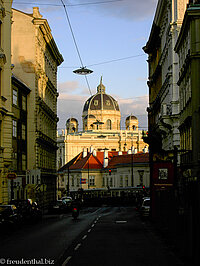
(100, 236)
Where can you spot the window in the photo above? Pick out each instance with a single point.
(14, 97)
(96, 102)
(78, 181)
(14, 128)
(92, 180)
(103, 182)
(108, 102)
(126, 181)
(23, 103)
(23, 162)
(121, 181)
(27, 180)
(23, 132)
(72, 181)
(111, 182)
(109, 124)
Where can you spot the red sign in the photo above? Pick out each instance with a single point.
(11, 175)
(82, 181)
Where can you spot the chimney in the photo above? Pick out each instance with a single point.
(145, 150)
(94, 153)
(105, 160)
(119, 152)
(135, 151)
(84, 152)
(91, 149)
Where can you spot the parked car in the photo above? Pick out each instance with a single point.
(145, 207)
(27, 209)
(67, 201)
(9, 217)
(60, 206)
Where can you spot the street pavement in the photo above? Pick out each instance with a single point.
(102, 236)
(118, 237)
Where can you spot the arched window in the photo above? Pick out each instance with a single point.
(109, 124)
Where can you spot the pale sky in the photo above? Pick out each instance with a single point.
(103, 32)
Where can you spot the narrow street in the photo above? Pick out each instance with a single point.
(100, 236)
(119, 237)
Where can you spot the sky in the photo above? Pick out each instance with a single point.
(109, 35)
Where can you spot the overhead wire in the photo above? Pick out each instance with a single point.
(70, 5)
(75, 43)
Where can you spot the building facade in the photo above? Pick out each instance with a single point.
(108, 170)
(101, 129)
(173, 112)
(188, 50)
(163, 111)
(5, 99)
(20, 93)
(36, 65)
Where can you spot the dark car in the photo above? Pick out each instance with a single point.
(9, 217)
(27, 209)
(60, 206)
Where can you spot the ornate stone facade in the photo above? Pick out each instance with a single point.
(163, 72)
(36, 64)
(5, 99)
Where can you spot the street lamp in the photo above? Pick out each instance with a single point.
(83, 71)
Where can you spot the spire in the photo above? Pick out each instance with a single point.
(101, 87)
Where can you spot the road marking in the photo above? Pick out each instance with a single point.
(121, 222)
(67, 260)
(78, 246)
(93, 225)
(84, 237)
(89, 230)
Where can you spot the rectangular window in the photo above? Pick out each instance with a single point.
(78, 181)
(72, 181)
(126, 181)
(23, 162)
(23, 103)
(121, 181)
(92, 180)
(23, 132)
(14, 97)
(14, 128)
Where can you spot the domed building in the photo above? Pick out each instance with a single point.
(101, 108)
(101, 129)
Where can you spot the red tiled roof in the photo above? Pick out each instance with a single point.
(96, 162)
(127, 159)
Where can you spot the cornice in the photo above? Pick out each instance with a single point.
(45, 28)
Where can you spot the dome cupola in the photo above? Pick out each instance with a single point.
(101, 107)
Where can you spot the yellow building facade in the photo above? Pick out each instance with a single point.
(36, 57)
(5, 99)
